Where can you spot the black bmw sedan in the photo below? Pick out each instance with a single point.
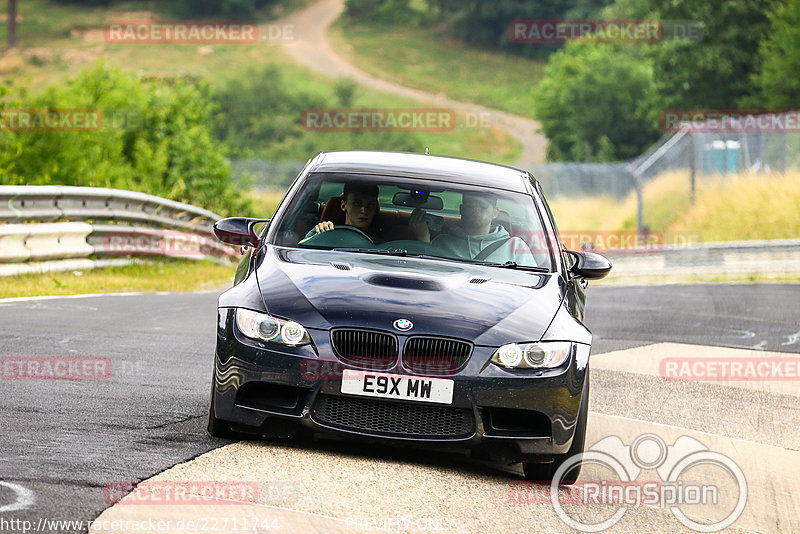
(412, 299)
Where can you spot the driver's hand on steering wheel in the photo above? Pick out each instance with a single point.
(324, 226)
(419, 226)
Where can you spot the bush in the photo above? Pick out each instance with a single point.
(592, 103)
(226, 9)
(156, 138)
(378, 11)
(780, 53)
(260, 116)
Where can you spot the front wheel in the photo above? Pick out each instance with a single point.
(217, 427)
(545, 472)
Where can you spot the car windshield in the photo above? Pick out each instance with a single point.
(406, 216)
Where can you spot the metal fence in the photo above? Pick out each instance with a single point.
(696, 153)
(703, 154)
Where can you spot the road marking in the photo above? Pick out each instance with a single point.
(25, 497)
(791, 340)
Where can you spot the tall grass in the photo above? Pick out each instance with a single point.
(727, 208)
(745, 207)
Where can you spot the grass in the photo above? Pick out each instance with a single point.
(265, 201)
(423, 59)
(160, 275)
(71, 39)
(745, 207)
(727, 208)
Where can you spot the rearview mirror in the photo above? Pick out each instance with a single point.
(239, 231)
(418, 199)
(588, 265)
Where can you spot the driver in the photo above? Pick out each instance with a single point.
(475, 238)
(360, 205)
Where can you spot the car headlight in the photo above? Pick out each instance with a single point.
(268, 328)
(532, 355)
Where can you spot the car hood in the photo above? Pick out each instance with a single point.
(487, 305)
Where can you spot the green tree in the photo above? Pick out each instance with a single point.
(593, 103)
(260, 114)
(715, 72)
(486, 24)
(156, 137)
(778, 81)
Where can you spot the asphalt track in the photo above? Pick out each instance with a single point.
(64, 441)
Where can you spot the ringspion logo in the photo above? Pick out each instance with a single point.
(688, 477)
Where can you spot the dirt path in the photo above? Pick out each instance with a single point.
(312, 48)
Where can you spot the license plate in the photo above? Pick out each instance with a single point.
(371, 384)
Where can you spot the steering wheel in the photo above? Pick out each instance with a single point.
(341, 236)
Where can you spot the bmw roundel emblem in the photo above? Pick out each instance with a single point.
(403, 324)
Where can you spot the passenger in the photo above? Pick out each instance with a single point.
(360, 205)
(475, 238)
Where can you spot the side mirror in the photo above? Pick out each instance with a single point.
(238, 231)
(588, 265)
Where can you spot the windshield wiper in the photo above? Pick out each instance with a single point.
(403, 252)
(390, 252)
(513, 265)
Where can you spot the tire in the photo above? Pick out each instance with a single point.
(217, 427)
(545, 472)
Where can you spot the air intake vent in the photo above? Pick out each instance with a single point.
(382, 418)
(479, 280)
(341, 266)
(365, 348)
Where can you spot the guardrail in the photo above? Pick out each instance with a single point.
(29, 243)
(69, 203)
(774, 258)
(98, 222)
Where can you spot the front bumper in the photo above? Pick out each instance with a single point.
(271, 390)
